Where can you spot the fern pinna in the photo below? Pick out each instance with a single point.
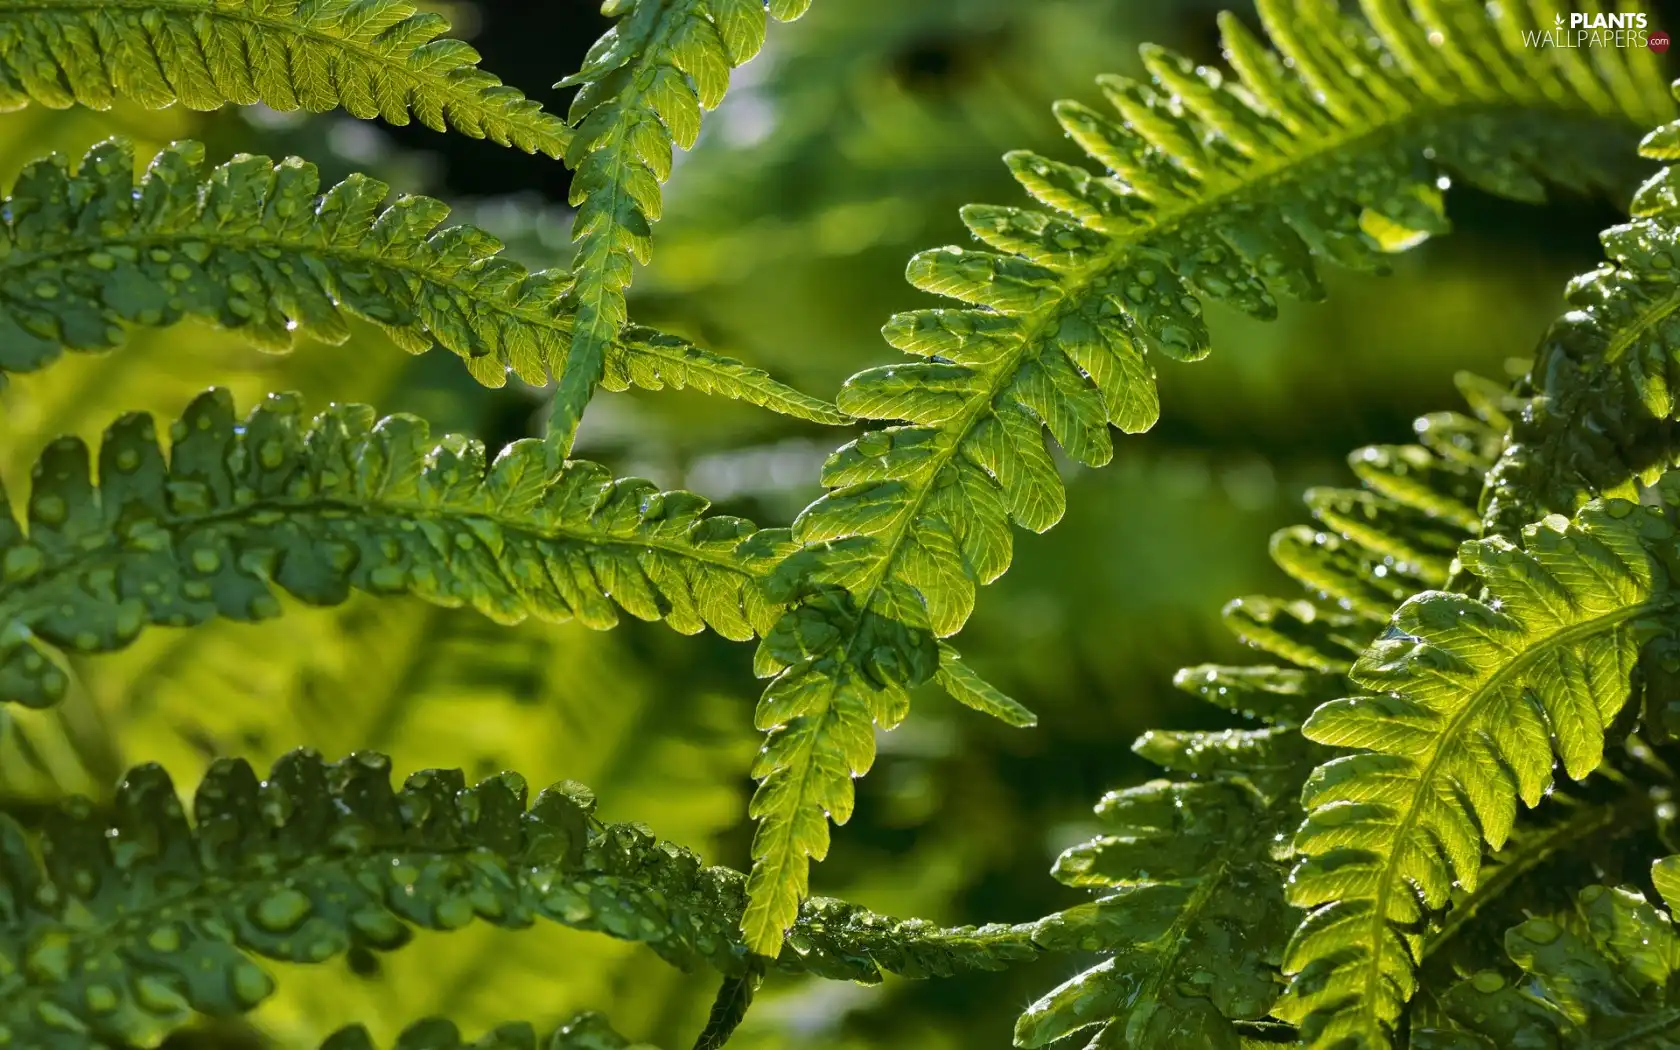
(1315, 880)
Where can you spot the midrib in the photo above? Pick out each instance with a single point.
(404, 511)
(174, 239)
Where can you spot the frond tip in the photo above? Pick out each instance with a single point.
(641, 92)
(820, 711)
(374, 58)
(1468, 701)
(318, 507)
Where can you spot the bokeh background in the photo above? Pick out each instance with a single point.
(843, 149)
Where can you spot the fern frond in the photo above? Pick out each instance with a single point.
(434, 687)
(1192, 867)
(587, 1031)
(642, 89)
(1601, 412)
(318, 507)
(374, 58)
(261, 249)
(1190, 896)
(1468, 701)
(821, 711)
(1597, 976)
(1223, 189)
(729, 1008)
(1358, 532)
(122, 930)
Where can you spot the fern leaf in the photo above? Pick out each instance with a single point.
(1249, 781)
(260, 249)
(1600, 408)
(820, 711)
(127, 928)
(1601, 413)
(969, 689)
(320, 507)
(1224, 189)
(1665, 875)
(1189, 869)
(1525, 877)
(1468, 702)
(374, 58)
(588, 1031)
(641, 90)
(433, 687)
(729, 1008)
(654, 360)
(1599, 975)
(1190, 898)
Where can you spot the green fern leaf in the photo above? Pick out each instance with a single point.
(1468, 702)
(1192, 879)
(1600, 408)
(729, 1008)
(821, 713)
(641, 90)
(653, 360)
(1602, 414)
(1358, 533)
(1281, 695)
(374, 58)
(1665, 874)
(432, 687)
(969, 689)
(320, 507)
(128, 927)
(1223, 189)
(1525, 877)
(589, 1031)
(258, 248)
(1599, 976)
(1190, 898)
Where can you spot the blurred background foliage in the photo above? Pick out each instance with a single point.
(844, 148)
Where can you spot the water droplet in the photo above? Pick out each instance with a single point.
(281, 911)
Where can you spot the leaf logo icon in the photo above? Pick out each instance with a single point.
(1558, 22)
